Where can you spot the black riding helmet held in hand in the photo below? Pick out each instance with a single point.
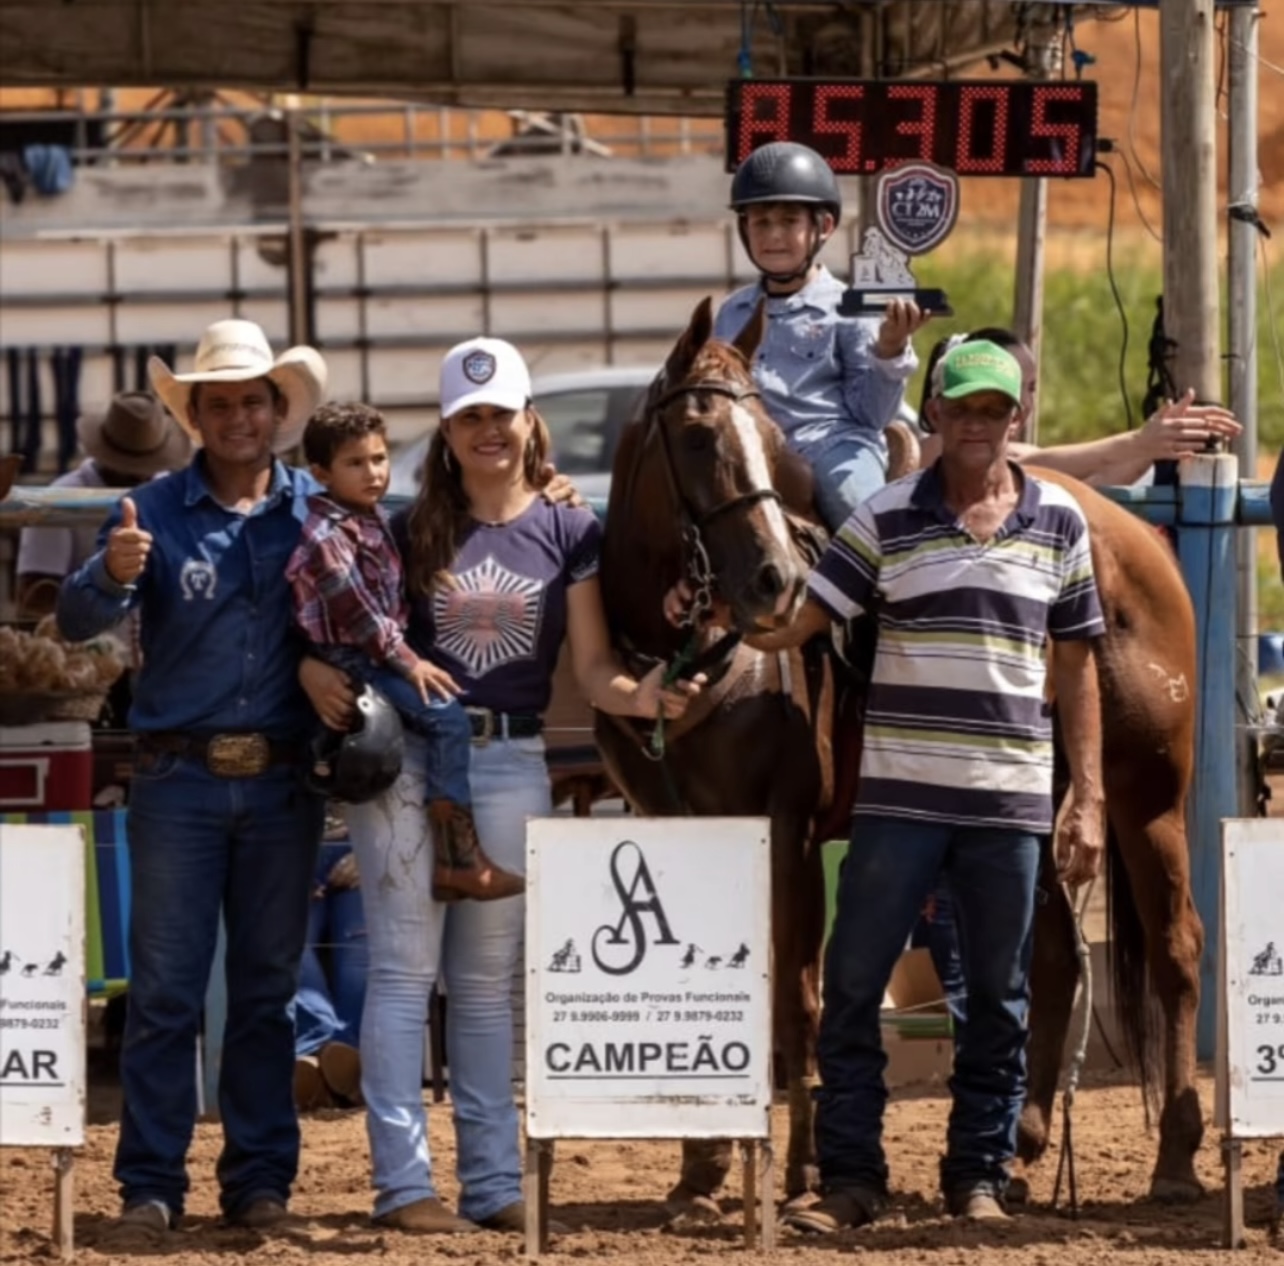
(365, 761)
(784, 171)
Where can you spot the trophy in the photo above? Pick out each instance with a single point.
(916, 205)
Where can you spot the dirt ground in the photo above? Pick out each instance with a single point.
(609, 1195)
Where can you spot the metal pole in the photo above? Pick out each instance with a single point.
(1206, 544)
(1188, 122)
(1042, 61)
(298, 277)
(1242, 336)
(1189, 119)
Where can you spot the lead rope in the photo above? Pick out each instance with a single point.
(1065, 1163)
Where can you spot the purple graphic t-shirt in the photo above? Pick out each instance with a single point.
(498, 632)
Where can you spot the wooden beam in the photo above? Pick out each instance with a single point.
(1189, 119)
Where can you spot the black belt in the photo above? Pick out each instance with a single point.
(489, 725)
(229, 755)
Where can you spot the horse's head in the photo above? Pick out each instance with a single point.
(720, 452)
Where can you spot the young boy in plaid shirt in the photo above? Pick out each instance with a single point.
(349, 600)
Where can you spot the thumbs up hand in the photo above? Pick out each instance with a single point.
(127, 546)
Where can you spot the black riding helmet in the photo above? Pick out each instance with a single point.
(783, 171)
(358, 765)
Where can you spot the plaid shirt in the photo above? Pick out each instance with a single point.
(347, 577)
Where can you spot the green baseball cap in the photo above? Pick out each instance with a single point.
(980, 366)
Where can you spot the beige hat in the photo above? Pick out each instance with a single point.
(135, 436)
(238, 351)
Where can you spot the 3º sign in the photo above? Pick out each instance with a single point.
(1252, 983)
(992, 127)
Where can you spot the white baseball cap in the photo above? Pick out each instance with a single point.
(484, 371)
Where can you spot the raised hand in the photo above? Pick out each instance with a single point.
(1179, 428)
(128, 546)
(902, 319)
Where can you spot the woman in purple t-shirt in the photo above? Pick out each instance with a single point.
(498, 577)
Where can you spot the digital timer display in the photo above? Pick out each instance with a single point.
(977, 128)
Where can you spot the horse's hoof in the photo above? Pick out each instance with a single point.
(801, 1180)
(1018, 1191)
(687, 1207)
(1176, 1190)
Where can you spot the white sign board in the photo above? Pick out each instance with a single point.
(648, 955)
(42, 986)
(1253, 974)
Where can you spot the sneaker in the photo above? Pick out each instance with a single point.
(424, 1217)
(260, 1214)
(340, 1066)
(977, 1204)
(838, 1210)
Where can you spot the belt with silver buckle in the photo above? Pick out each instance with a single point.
(488, 725)
(225, 755)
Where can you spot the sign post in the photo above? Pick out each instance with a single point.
(648, 1004)
(42, 1000)
(1250, 1063)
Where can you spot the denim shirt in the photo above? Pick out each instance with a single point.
(817, 371)
(219, 648)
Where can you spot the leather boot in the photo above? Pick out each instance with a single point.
(460, 868)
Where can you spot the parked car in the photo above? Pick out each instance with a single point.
(586, 412)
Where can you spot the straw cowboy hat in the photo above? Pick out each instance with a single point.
(135, 436)
(238, 351)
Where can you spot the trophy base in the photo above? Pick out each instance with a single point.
(873, 300)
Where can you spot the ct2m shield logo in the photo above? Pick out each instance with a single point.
(918, 204)
(638, 897)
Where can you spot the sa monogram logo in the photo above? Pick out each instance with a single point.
(198, 579)
(638, 897)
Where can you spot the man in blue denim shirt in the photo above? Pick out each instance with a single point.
(831, 383)
(219, 820)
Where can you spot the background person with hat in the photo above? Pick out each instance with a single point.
(220, 821)
(969, 568)
(132, 441)
(832, 384)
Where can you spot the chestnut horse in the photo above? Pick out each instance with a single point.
(697, 488)
(1146, 665)
(699, 484)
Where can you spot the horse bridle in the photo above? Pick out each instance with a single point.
(696, 565)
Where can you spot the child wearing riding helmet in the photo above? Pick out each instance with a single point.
(831, 383)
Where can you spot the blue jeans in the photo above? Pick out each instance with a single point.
(847, 468)
(328, 1009)
(199, 845)
(442, 724)
(939, 934)
(891, 867)
(473, 947)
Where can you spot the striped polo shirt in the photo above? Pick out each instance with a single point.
(957, 729)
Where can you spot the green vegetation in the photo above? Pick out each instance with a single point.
(1079, 396)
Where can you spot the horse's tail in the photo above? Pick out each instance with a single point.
(1134, 1012)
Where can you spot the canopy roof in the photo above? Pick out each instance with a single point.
(633, 56)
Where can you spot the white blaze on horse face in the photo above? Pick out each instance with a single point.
(759, 476)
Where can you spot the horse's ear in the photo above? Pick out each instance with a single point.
(693, 338)
(747, 341)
